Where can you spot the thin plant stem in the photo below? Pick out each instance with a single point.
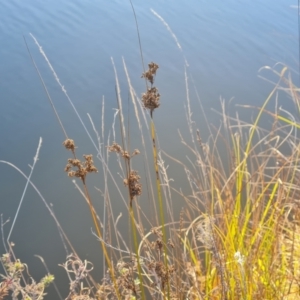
(160, 201)
(96, 223)
(35, 159)
(128, 172)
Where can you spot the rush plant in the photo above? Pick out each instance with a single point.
(238, 234)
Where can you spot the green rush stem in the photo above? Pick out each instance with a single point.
(136, 250)
(100, 236)
(161, 208)
(131, 212)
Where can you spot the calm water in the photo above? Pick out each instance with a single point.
(224, 42)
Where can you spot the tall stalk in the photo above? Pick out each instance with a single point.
(151, 101)
(131, 180)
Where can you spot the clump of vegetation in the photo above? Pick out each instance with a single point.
(238, 236)
(13, 282)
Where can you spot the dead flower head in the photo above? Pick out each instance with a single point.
(158, 244)
(115, 148)
(118, 149)
(151, 72)
(135, 152)
(161, 271)
(83, 168)
(150, 99)
(135, 187)
(69, 144)
(126, 283)
(126, 155)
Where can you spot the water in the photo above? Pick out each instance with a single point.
(225, 44)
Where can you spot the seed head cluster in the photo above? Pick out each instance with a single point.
(151, 98)
(135, 187)
(69, 144)
(151, 72)
(128, 286)
(162, 272)
(83, 168)
(118, 149)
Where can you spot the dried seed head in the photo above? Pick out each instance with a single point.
(159, 244)
(89, 164)
(135, 188)
(69, 144)
(151, 72)
(170, 243)
(126, 155)
(161, 271)
(82, 167)
(118, 149)
(150, 99)
(153, 67)
(115, 148)
(156, 231)
(135, 152)
(74, 162)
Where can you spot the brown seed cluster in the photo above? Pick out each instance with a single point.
(171, 244)
(161, 271)
(115, 148)
(158, 244)
(69, 144)
(156, 231)
(126, 281)
(83, 168)
(128, 284)
(135, 187)
(128, 287)
(151, 72)
(151, 98)
(118, 149)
